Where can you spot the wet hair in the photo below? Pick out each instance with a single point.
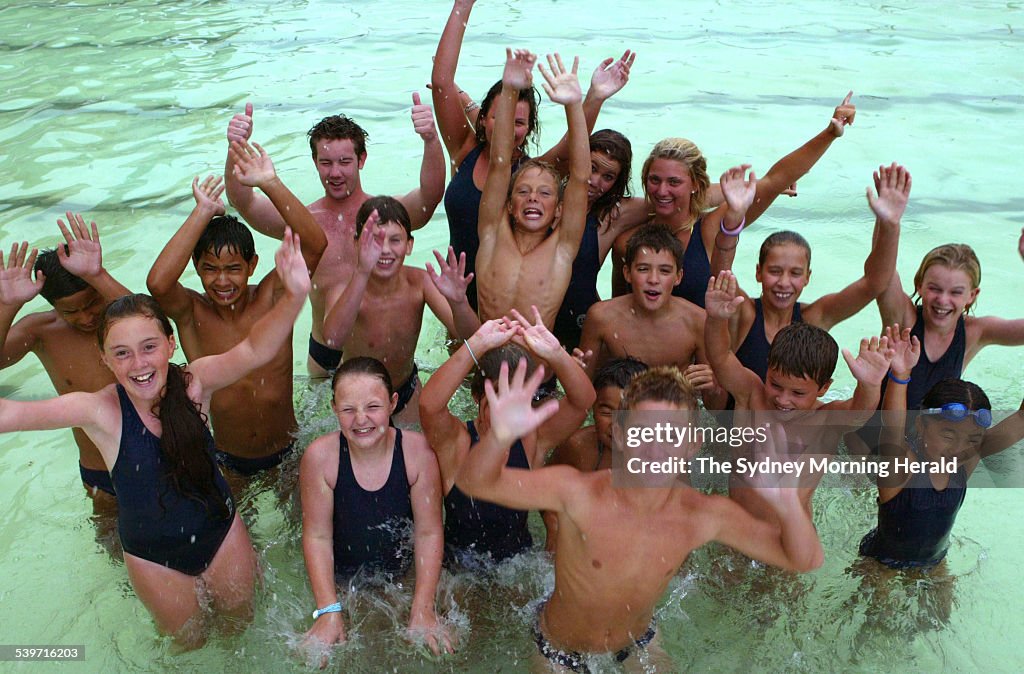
(689, 155)
(529, 95)
(184, 436)
(365, 365)
(957, 256)
(490, 366)
(338, 127)
(618, 373)
(59, 282)
(542, 166)
(225, 231)
(956, 391)
(783, 238)
(656, 238)
(388, 208)
(617, 147)
(664, 383)
(806, 351)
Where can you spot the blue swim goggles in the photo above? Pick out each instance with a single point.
(959, 412)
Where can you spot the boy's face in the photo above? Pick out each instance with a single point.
(338, 166)
(81, 310)
(607, 403)
(226, 276)
(397, 245)
(788, 393)
(653, 274)
(534, 205)
(646, 415)
(783, 275)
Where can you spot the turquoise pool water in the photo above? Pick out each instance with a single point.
(111, 108)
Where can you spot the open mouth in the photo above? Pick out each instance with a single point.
(652, 294)
(143, 379)
(941, 313)
(385, 262)
(532, 213)
(782, 297)
(224, 296)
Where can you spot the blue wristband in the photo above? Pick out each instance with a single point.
(333, 608)
(897, 380)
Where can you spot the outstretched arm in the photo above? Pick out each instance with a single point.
(893, 185)
(268, 334)
(738, 192)
(721, 303)
(421, 202)
(256, 209)
(456, 129)
(164, 277)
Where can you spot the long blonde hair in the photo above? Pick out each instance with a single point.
(957, 256)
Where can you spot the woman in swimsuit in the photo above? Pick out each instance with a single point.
(183, 541)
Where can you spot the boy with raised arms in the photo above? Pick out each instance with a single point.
(253, 419)
(72, 279)
(380, 312)
(338, 145)
(529, 234)
(618, 548)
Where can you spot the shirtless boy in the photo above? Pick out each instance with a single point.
(650, 323)
(529, 234)
(380, 312)
(801, 361)
(618, 548)
(338, 145)
(253, 420)
(72, 279)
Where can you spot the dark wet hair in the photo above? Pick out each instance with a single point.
(59, 282)
(618, 373)
(490, 366)
(529, 95)
(388, 208)
(338, 127)
(804, 350)
(780, 239)
(362, 365)
(618, 148)
(225, 231)
(657, 238)
(184, 436)
(663, 383)
(956, 391)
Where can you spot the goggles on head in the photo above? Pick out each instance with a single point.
(959, 412)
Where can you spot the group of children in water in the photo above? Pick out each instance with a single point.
(518, 290)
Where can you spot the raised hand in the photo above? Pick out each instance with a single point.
(700, 376)
(906, 350)
(423, 118)
(252, 164)
(893, 185)
(511, 407)
(16, 283)
(722, 299)
(843, 115)
(492, 334)
(610, 75)
(738, 189)
(453, 280)
(872, 362)
(82, 256)
(518, 68)
(538, 338)
(371, 243)
(291, 266)
(583, 358)
(240, 126)
(207, 194)
(561, 86)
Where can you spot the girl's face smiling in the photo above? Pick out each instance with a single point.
(945, 294)
(604, 171)
(363, 407)
(137, 351)
(783, 275)
(669, 188)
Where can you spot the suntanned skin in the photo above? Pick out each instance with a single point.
(64, 338)
(335, 212)
(792, 400)
(618, 549)
(520, 262)
(381, 310)
(253, 417)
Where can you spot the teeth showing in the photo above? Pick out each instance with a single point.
(532, 213)
(143, 379)
(386, 261)
(941, 312)
(783, 296)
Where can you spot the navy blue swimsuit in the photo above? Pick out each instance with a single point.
(696, 269)
(481, 528)
(753, 352)
(582, 290)
(371, 527)
(914, 526)
(156, 521)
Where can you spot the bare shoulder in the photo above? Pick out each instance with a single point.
(419, 458)
(688, 312)
(578, 451)
(321, 453)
